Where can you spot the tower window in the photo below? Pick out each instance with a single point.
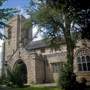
(83, 63)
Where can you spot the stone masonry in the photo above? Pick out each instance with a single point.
(40, 61)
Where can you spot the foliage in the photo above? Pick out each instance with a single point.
(56, 18)
(67, 79)
(30, 88)
(85, 24)
(14, 76)
(27, 24)
(83, 84)
(5, 14)
(1, 81)
(60, 18)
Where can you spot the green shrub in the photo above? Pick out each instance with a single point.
(3, 80)
(67, 79)
(0, 80)
(14, 76)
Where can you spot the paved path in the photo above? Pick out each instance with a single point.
(37, 85)
(45, 85)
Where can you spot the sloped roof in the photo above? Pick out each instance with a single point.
(36, 45)
(40, 44)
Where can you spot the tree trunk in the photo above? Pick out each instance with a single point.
(69, 43)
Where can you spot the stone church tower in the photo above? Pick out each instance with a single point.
(20, 49)
(40, 63)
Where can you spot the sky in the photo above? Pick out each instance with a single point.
(16, 3)
(22, 5)
(19, 4)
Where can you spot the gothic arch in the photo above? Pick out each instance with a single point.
(23, 67)
(82, 51)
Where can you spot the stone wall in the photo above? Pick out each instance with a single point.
(39, 64)
(40, 69)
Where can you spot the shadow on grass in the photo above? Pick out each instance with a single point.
(25, 86)
(88, 87)
(29, 88)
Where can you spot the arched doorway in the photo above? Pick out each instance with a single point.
(21, 69)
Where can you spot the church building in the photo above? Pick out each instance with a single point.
(40, 63)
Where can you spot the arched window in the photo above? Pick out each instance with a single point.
(88, 62)
(83, 63)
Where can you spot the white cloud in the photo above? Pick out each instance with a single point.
(36, 1)
(35, 28)
(1, 43)
(22, 12)
(38, 36)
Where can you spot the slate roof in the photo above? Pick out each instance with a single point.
(39, 44)
(36, 45)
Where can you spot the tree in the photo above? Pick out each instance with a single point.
(85, 23)
(58, 18)
(5, 14)
(15, 76)
(83, 7)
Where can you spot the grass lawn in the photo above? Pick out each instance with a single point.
(33, 88)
